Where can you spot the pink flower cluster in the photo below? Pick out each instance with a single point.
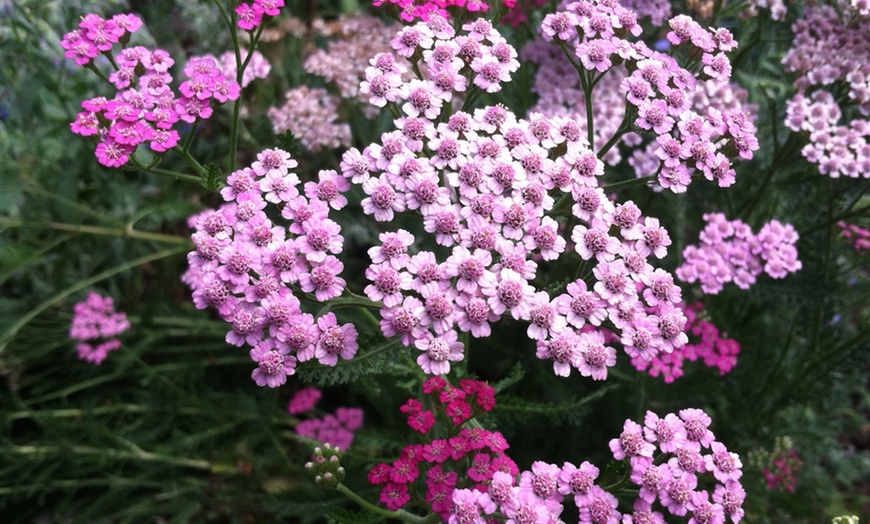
(96, 35)
(729, 251)
(660, 89)
(483, 185)
(251, 270)
(856, 235)
(258, 67)
(144, 109)
(831, 48)
(781, 473)
(303, 400)
(411, 10)
(251, 15)
(706, 344)
(95, 320)
(336, 429)
(310, 113)
(670, 481)
(466, 455)
(352, 41)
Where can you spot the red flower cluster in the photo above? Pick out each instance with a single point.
(453, 457)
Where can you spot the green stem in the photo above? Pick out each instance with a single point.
(783, 153)
(96, 230)
(164, 172)
(642, 181)
(102, 410)
(401, 514)
(472, 98)
(624, 127)
(10, 333)
(39, 451)
(196, 166)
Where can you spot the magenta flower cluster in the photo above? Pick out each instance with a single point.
(781, 472)
(668, 465)
(145, 108)
(828, 48)
(250, 16)
(336, 429)
(303, 400)
(483, 184)
(857, 236)
(96, 326)
(730, 252)
(706, 344)
(253, 271)
(452, 455)
(659, 89)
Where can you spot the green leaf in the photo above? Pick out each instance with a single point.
(211, 178)
(377, 355)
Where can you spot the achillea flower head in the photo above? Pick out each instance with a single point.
(830, 47)
(729, 251)
(437, 465)
(145, 109)
(244, 264)
(96, 326)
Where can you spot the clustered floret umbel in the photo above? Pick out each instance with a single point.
(145, 109)
(336, 429)
(462, 473)
(730, 252)
(96, 326)
(659, 90)
(452, 455)
(251, 270)
(485, 186)
(668, 465)
(706, 344)
(831, 48)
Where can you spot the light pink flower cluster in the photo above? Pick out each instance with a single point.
(251, 270)
(431, 471)
(729, 251)
(483, 185)
(352, 41)
(707, 344)
(411, 10)
(452, 63)
(560, 94)
(258, 67)
(310, 113)
(96, 326)
(145, 108)
(657, 10)
(336, 429)
(777, 9)
(831, 48)
(250, 16)
(659, 89)
(855, 235)
(668, 466)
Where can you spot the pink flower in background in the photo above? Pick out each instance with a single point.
(303, 400)
(96, 325)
